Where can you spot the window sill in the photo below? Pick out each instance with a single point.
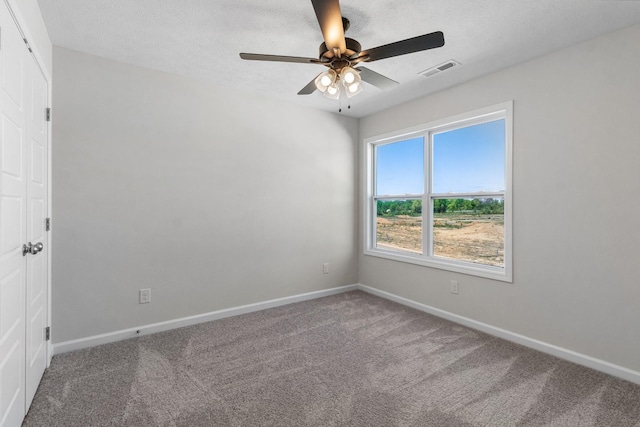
(488, 272)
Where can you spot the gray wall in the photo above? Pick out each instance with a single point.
(211, 198)
(576, 177)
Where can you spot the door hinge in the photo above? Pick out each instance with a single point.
(48, 114)
(47, 224)
(47, 333)
(26, 42)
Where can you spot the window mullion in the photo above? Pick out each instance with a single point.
(427, 209)
(481, 195)
(372, 229)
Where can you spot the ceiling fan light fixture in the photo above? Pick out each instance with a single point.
(326, 80)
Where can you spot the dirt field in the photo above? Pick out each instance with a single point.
(476, 239)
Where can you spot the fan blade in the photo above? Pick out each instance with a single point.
(416, 44)
(378, 80)
(309, 88)
(279, 58)
(330, 20)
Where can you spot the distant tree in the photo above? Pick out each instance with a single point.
(416, 207)
(393, 208)
(492, 206)
(455, 205)
(440, 205)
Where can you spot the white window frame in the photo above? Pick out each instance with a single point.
(483, 115)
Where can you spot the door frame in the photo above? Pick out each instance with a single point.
(23, 28)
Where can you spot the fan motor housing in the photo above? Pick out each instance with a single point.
(353, 49)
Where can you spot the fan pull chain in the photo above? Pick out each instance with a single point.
(340, 106)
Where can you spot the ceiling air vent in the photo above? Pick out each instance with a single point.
(439, 68)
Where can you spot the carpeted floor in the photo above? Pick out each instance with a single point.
(347, 360)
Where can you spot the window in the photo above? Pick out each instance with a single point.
(440, 194)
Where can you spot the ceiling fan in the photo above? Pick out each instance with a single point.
(341, 54)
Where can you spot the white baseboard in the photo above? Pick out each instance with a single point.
(92, 341)
(562, 353)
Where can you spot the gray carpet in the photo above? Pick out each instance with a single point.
(347, 360)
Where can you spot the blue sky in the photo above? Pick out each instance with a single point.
(470, 159)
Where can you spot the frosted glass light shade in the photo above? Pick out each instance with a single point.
(351, 81)
(325, 80)
(353, 89)
(349, 75)
(333, 91)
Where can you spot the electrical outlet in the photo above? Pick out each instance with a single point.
(144, 296)
(454, 287)
(325, 268)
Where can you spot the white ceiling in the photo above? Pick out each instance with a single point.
(201, 39)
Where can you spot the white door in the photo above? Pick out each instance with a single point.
(13, 266)
(37, 176)
(23, 208)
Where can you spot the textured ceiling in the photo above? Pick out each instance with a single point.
(201, 39)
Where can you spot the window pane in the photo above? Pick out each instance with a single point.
(470, 159)
(469, 230)
(400, 167)
(399, 225)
